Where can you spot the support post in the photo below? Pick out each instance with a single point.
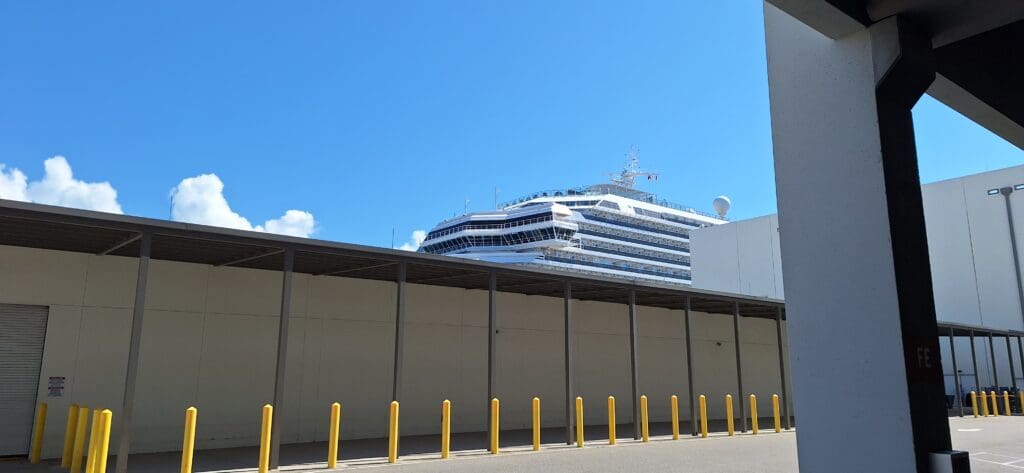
(633, 364)
(492, 330)
(570, 376)
(958, 398)
(1020, 353)
(1005, 192)
(396, 378)
(842, 125)
(782, 367)
(739, 361)
(282, 358)
(974, 364)
(1009, 357)
(138, 310)
(992, 357)
(689, 368)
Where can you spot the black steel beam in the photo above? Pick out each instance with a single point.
(282, 358)
(121, 244)
(633, 342)
(782, 368)
(974, 363)
(492, 330)
(253, 257)
(570, 373)
(958, 396)
(134, 346)
(396, 380)
(689, 366)
(739, 363)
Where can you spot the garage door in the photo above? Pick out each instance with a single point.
(22, 330)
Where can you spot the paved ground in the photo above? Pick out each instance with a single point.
(996, 446)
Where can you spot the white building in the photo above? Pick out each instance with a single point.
(972, 264)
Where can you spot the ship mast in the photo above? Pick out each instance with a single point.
(627, 177)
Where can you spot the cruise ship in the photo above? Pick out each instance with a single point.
(611, 229)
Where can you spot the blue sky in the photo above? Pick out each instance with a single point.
(374, 115)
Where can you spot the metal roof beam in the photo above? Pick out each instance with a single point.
(252, 257)
(122, 244)
(361, 268)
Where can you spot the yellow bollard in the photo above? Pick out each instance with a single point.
(1006, 404)
(995, 403)
(332, 436)
(188, 441)
(983, 397)
(103, 443)
(76, 452)
(674, 400)
(393, 432)
(775, 413)
(974, 403)
(495, 425)
(37, 433)
(753, 413)
(265, 429)
(446, 427)
(1021, 394)
(536, 423)
(644, 433)
(94, 434)
(69, 436)
(611, 420)
(703, 416)
(728, 415)
(579, 422)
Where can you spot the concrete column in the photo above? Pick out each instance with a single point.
(282, 359)
(854, 252)
(134, 345)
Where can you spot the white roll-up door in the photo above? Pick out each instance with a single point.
(22, 333)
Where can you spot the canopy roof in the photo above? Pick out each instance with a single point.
(57, 228)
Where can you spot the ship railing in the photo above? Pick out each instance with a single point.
(634, 194)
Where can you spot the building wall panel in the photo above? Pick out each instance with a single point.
(210, 335)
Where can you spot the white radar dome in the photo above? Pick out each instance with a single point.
(722, 205)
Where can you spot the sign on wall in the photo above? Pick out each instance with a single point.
(56, 386)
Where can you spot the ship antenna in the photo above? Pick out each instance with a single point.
(627, 177)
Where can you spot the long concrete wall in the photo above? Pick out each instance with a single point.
(971, 264)
(209, 340)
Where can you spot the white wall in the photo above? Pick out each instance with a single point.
(741, 257)
(209, 340)
(971, 265)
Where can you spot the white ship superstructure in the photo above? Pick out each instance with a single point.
(607, 229)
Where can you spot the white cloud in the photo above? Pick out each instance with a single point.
(415, 240)
(294, 222)
(13, 184)
(59, 187)
(200, 199)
